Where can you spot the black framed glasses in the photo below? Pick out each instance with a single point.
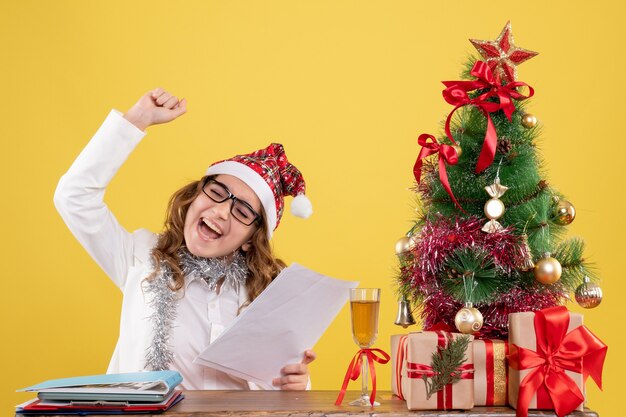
(218, 192)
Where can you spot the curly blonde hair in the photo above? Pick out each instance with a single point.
(262, 265)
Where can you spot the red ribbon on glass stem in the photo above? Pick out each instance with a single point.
(579, 351)
(447, 155)
(456, 93)
(354, 370)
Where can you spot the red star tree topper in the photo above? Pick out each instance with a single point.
(502, 55)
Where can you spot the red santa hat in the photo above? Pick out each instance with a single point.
(271, 176)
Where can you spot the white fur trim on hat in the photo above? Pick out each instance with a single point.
(254, 181)
(301, 206)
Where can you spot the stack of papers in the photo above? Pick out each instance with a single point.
(289, 316)
(137, 392)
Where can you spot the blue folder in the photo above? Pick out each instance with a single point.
(134, 386)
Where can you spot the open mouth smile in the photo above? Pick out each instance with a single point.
(209, 230)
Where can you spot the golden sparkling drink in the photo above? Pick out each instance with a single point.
(364, 322)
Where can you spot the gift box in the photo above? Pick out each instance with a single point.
(416, 380)
(550, 356)
(491, 372)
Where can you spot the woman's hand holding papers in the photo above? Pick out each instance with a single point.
(295, 377)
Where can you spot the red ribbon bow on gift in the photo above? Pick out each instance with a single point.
(447, 155)
(578, 351)
(456, 94)
(354, 370)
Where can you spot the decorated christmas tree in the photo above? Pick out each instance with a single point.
(489, 237)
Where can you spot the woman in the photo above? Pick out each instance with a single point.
(184, 286)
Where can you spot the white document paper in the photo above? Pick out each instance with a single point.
(289, 316)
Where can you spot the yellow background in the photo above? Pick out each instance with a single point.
(346, 86)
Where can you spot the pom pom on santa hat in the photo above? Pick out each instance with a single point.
(301, 206)
(272, 177)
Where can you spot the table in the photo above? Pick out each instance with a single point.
(316, 404)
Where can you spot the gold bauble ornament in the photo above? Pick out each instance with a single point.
(404, 249)
(529, 121)
(458, 150)
(468, 320)
(564, 213)
(547, 270)
(588, 294)
(403, 245)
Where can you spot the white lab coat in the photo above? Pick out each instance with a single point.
(125, 257)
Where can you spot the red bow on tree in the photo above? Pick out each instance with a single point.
(578, 351)
(447, 154)
(456, 94)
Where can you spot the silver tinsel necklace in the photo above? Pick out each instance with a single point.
(164, 301)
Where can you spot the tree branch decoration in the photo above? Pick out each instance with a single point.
(446, 362)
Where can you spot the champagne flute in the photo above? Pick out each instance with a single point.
(364, 305)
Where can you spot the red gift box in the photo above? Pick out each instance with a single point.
(411, 358)
(491, 372)
(551, 354)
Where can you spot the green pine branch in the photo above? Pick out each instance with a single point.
(569, 253)
(446, 362)
(475, 264)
